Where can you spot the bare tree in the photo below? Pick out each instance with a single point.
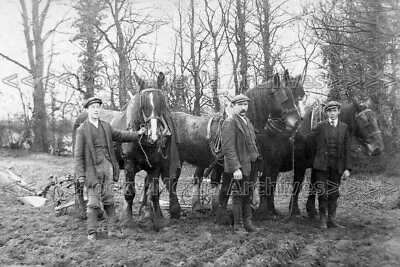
(131, 26)
(34, 38)
(195, 63)
(215, 27)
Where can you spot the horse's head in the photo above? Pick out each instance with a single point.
(367, 129)
(148, 109)
(296, 86)
(273, 105)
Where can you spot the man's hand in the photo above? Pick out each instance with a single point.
(81, 179)
(346, 174)
(142, 130)
(237, 175)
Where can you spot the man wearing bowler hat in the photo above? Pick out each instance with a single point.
(240, 154)
(96, 165)
(332, 162)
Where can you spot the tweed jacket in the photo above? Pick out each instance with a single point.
(84, 154)
(319, 137)
(234, 148)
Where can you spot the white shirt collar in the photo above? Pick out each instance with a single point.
(243, 118)
(335, 122)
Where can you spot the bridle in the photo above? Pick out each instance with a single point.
(161, 137)
(275, 124)
(145, 118)
(363, 114)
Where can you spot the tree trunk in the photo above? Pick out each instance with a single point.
(241, 14)
(36, 60)
(195, 69)
(264, 28)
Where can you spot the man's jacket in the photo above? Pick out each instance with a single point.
(320, 138)
(237, 152)
(84, 154)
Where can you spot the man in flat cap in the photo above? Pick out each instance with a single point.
(240, 154)
(332, 162)
(96, 165)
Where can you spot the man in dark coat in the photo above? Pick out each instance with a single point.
(96, 165)
(240, 154)
(332, 162)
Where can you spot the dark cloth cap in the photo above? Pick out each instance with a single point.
(92, 100)
(331, 105)
(239, 98)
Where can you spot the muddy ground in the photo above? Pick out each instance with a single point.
(36, 236)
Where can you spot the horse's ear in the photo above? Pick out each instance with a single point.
(359, 106)
(277, 80)
(286, 76)
(139, 81)
(160, 80)
(368, 103)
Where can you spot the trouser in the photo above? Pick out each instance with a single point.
(242, 192)
(101, 192)
(327, 189)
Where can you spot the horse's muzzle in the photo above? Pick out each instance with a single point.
(279, 126)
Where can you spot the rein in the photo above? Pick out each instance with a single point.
(371, 134)
(161, 140)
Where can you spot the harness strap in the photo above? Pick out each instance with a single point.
(216, 141)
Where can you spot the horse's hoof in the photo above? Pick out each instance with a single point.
(79, 215)
(196, 206)
(224, 217)
(144, 213)
(175, 212)
(214, 205)
(159, 224)
(265, 216)
(312, 216)
(294, 212)
(127, 222)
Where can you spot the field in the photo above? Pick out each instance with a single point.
(36, 236)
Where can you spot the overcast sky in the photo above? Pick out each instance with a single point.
(12, 43)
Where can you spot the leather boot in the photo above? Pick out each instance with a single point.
(237, 215)
(92, 223)
(332, 214)
(323, 221)
(113, 229)
(247, 215)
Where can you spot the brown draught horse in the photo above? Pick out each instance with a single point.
(155, 153)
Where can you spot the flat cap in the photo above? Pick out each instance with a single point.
(331, 105)
(92, 100)
(239, 98)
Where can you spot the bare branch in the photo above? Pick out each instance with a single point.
(15, 62)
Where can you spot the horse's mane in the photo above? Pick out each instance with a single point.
(260, 104)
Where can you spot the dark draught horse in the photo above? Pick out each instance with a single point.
(155, 152)
(363, 125)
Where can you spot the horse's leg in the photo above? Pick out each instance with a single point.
(174, 206)
(197, 179)
(266, 191)
(144, 211)
(271, 186)
(130, 191)
(216, 174)
(222, 214)
(154, 197)
(299, 172)
(310, 206)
